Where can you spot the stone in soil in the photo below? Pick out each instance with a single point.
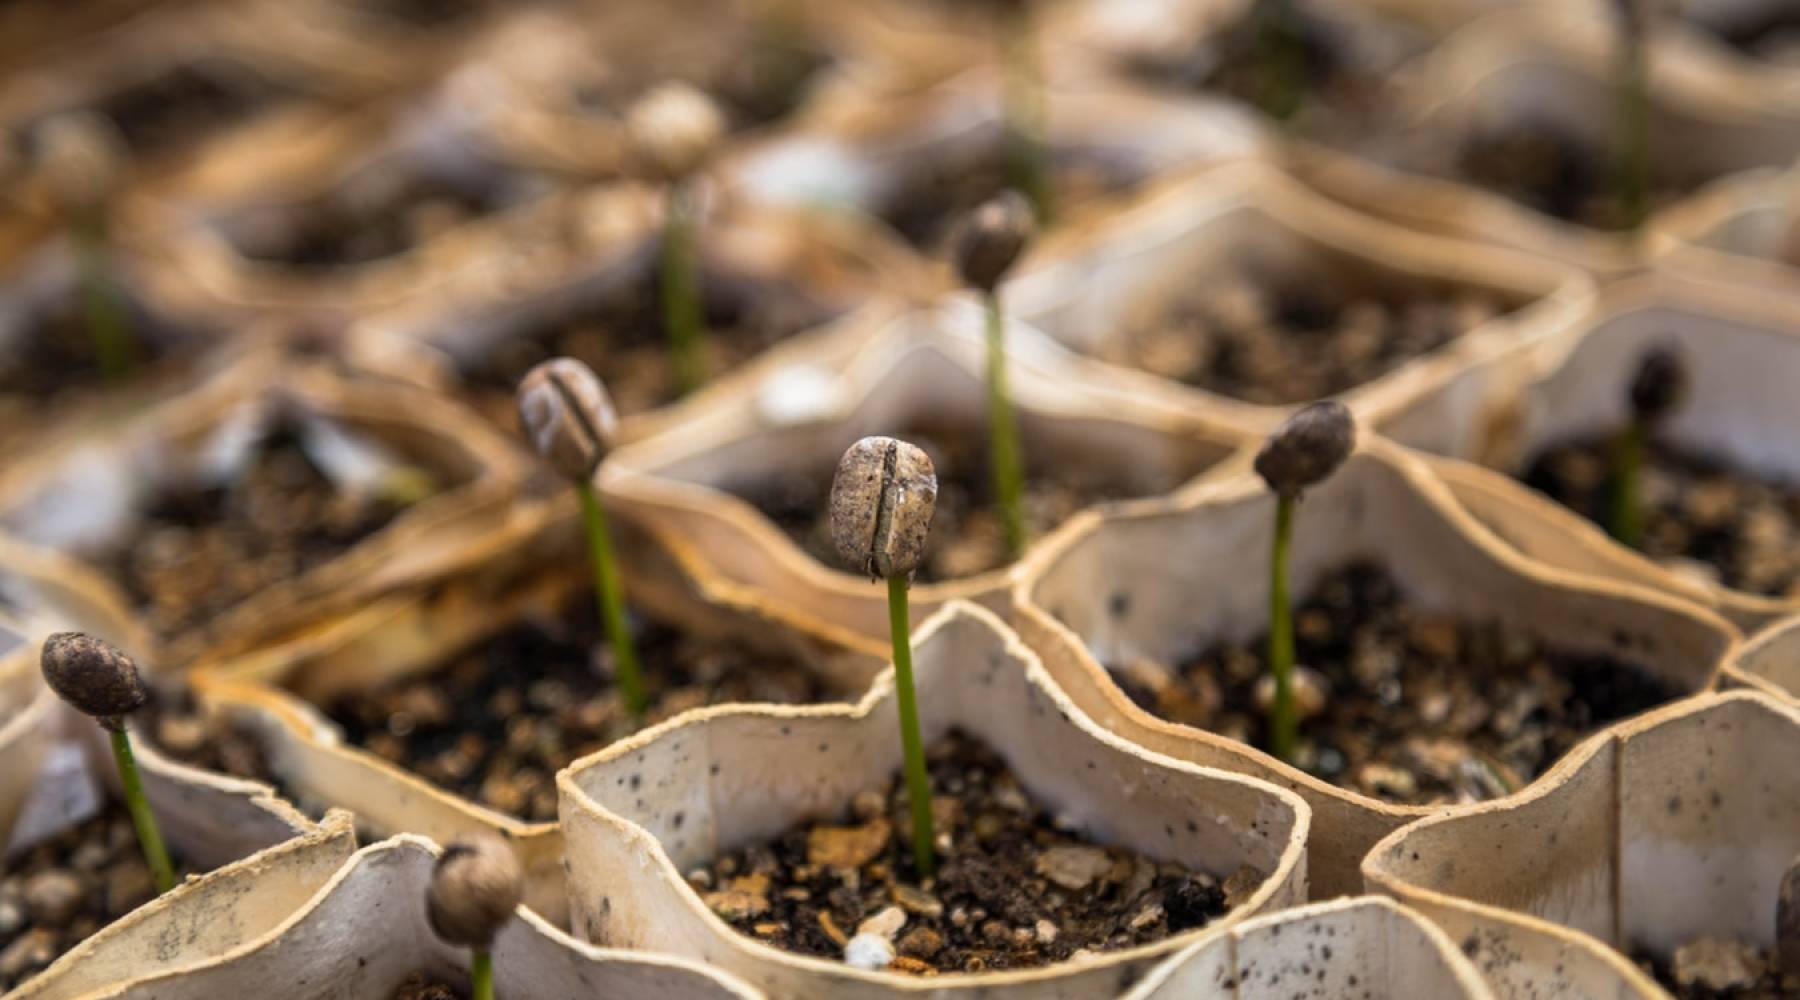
(1541, 166)
(423, 986)
(198, 550)
(1014, 890)
(495, 721)
(1276, 341)
(1710, 968)
(622, 338)
(966, 536)
(58, 893)
(1418, 707)
(1702, 516)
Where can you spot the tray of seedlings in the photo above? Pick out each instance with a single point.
(1027, 499)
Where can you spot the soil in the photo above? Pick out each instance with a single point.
(935, 192)
(966, 536)
(199, 551)
(58, 893)
(1701, 515)
(1542, 166)
(1406, 705)
(1306, 336)
(1013, 890)
(342, 231)
(186, 102)
(1720, 969)
(496, 721)
(622, 337)
(423, 986)
(1767, 33)
(54, 363)
(175, 725)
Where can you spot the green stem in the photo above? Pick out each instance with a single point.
(1626, 519)
(106, 321)
(612, 603)
(1633, 152)
(918, 782)
(1027, 158)
(1003, 434)
(481, 975)
(682, 317)
(1284, 724)
(1279, 65)
(149, 836)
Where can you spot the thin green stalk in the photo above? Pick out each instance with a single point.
(481, 975)
(1633, 152)
(918, 782)
(1626, 518)
(1003, 434)
(1284, 724)
(612, 602)
(682, 316)
(106, 321)
(1027, 158)
(149, 835)
(1279, 63)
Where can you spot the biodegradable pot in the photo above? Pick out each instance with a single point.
(1552, 63)
(1769, 660)
(1741, 354)
(1737, 230)
(731, 775)
(1661, 830)
(1369, 944)
(365, 930)
(1086, 282)
(89, 496)
(1166, 580)
(924, 365)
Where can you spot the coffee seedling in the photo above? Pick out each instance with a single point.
(992, 238)
(99, 680)
(881, 503)
(673, 131)
(1656, 390)
(82, 157)
(1302, 453)
(1632, 148)
(570, 421)
(475, 887)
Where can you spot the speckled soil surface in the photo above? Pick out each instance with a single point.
(1543, 168)
(423, 986)
(1721, 969)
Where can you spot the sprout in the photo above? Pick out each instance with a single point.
(881, 504)
(83, 156)
(99, 680)
(673, 131)
(1301, 453)
(1657, 389)
(475, 887)
(990, 241)
(1632, 149)
(567, 415)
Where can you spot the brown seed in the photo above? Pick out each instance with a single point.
(991, 239)
(881, 504)
(82, 158)
(673, 130)
(93, 676)
(475, 888)
(567, 416)
(1659, 385)
(1306, 448)
(1787, 922)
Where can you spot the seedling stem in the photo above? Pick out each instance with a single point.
(148, 833)
(481, 974)
(1003, 433)
(1633, 165)
(918, 781)
(106, 322)
(1627, 516)
(681, 292)
(630, 676)
(1027, 159)
(1284, 722)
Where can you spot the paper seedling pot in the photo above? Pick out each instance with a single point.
(1663, 829)
(364, 930)
(926, 366)
(1086, 282)
(1742, 356)
(88, 496)
(1368, 946)
(1769, 660)
(1165, 580)
(1554, 62)
(641, 812)
(1734, 230)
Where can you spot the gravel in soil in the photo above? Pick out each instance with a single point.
(1401, 703)
(1701, 516)
(423, 986)
(1543, 167)
(1712, 968)
(200, 550)
(1275, 342)
(376, 217)
(1014, 889)
(57, 894)
(966, 536)
(622, 338)
(497, 720)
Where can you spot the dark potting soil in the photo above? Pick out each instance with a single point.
(1543, 167)
(1720, 969)
(57, 894)
(967, 536)
(1741, 530)
(1764, 33)
(424, 986)
(1312, 335)
(201, 550)
(497, 720)
(180, 730)
(343, 231)
(1416, 707)
(54, 362)
(936, 193)
(187, 102)
(1012, 891)
(622, 337)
